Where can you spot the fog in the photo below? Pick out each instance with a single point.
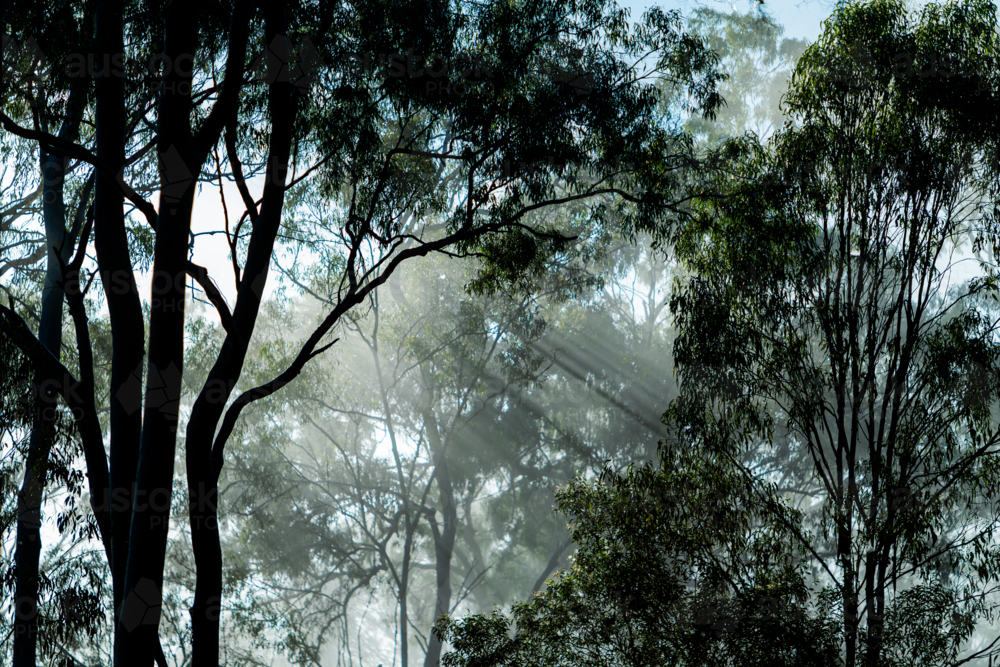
(411, 469)
(433, 402)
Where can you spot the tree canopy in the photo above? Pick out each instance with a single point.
(690, 563)
(358, 140)
(834, 355)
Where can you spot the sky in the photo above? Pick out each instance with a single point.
(801, 18)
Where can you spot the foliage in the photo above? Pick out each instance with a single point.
(397, 169)
(826, 314)
(72, 602)
(758, 64)
(689, 563)
(314, 501)
(428, 418)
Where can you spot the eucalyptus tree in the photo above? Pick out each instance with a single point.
(407, 464)
(71, 608)
(823, 316)
(54, 104)
(687, 564)
(515, 100)
(827, 300)
(758, 62)
(358, 535)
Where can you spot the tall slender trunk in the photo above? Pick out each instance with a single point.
(404, 580)
(29, 520)
(136, 633)
(203, 455)
(551, 566)
(850, 592)
(874, 602)
(410, 522)
(444, 539)
(59, 246)
(120, 291)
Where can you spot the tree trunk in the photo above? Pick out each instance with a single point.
(444, 540)
(121, 293)
(29, 521)
(404, 619)
(550, 567)
(850, 594)
(203, 456)
(136, 634)
(59, 246)
(874, 601)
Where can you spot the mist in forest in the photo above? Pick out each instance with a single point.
(412, 470)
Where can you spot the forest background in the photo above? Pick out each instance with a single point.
(411, 469)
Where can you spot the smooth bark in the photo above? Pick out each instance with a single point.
(136, 634)
(59, 246)
(203, 461)
(444, 536)
(120, 291)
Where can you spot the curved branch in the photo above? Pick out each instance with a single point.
(59, 146)
(200, 274)
(78, 395)
(255, 394)
(237, 167)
